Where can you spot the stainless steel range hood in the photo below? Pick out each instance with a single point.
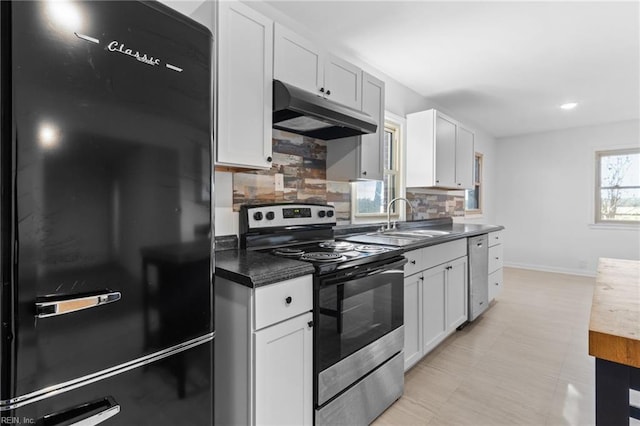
(304, 113)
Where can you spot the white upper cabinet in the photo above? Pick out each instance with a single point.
(440, 151)
(244, 89)
(465, 156)
(445, 154)
(301, 63)
(297, 61)
(372, 145)
(343, 82)
(361, 157)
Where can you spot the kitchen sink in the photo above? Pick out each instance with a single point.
(396, 237)
(415, 233)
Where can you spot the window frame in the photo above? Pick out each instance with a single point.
(597, 197)
(477, 184)
(396, 124)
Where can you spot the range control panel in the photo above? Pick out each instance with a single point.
(282, 215)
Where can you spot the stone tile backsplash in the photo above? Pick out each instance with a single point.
(301, 162)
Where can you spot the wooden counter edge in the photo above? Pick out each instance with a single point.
(621, 346)
(614, 348)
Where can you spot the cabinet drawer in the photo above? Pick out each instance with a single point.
(277, 302)
(414, 263)
(495, 257)
(442, 253)
(495, 238)
(495, 284)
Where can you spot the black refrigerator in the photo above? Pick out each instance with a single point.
(106, 300)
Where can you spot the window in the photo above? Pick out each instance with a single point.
(473, 197)
(372, 197)
(618, 186)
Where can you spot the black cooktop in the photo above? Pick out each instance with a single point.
(328, 256)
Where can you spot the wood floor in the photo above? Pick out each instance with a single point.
(523, 362)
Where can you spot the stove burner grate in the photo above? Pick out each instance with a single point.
(321, 256)
(337, 245)
(288, 252)
(369, 249)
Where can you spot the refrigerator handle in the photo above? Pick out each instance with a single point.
(67, 415)
(50, 306)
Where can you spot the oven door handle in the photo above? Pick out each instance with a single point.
(374, 270)
(386, 268)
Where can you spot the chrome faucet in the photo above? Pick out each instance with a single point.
(389, 209)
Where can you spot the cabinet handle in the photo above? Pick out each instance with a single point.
(459, 184)
(449, 267)
(310, 324)
(437, 181)
(269, 159)
(288, 300)
(364, 173)
(497, 283)
(421, 278)
(328, 92)
(322, 90)
(497, 258)
(413, 262)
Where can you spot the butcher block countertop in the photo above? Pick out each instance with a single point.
(614, 328)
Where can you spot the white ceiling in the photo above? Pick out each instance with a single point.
(506, 66)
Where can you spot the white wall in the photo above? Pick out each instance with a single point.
(545, 186)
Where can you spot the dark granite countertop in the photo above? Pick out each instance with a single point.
(255, 269)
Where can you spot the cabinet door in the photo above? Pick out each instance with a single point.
(372, 145)
(412, 320)
(343, 82)
(457, 293)
(433, 308)
(445, 152)
(420, 148)
(245, 88)
(495, 258)
(464, 158)
(283, 373)
(297, 61)
(495, 284)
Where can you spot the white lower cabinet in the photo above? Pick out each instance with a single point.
(412, 320)
(433, 307)
(435, 297)
(263, 353)
(495, 264)
(457, 293)
(283, 372)
(495, 284)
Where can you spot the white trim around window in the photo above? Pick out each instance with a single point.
(400, 123)
(594, 221)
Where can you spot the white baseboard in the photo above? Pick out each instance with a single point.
(542, 268)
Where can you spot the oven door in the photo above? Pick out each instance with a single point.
(358, 323)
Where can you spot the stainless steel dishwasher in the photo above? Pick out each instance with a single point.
(478, 275)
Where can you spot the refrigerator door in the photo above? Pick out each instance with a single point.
(172, 391)
(111, 149)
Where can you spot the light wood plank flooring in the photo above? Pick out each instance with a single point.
(523, 362)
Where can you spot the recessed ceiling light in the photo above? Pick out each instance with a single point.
(569, 105)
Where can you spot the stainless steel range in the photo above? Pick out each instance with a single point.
(358, 308)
